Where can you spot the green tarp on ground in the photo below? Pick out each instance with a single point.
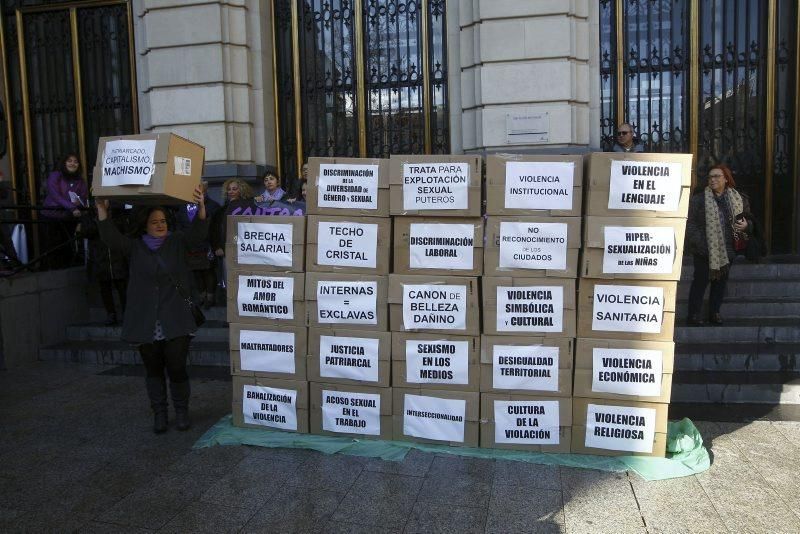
(685, 452)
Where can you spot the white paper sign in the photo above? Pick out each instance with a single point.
(437, 361)
(628, 308)
(435, 186)
(264, 244)
(530, 308)
(645, 185)
(434, 306)
(182, 166)
(627, 371)
(347, 244)
(434, 418)
(352, 413)
(639, 249)
(532, 367)
(539, 185)
(526, 422)
(347, 302)
(267, 352)
(128, 162)
(266, 296)
(347, 186)
(355, 358)
(620, 428)
(528, 245)
(441, 246)
(276, 408)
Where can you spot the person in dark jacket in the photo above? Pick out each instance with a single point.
(158, 317)
(67, 194)
(200, 258)
(717, 215)
(625, 140)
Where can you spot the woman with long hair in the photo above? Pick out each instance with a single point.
(67, 193)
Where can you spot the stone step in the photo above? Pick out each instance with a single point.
(753, 357)
(737, 288)
(745, 308)
(753, 271)
(215, 313)
(778, 387)
(103, 352)
(212, 330)
(753, 330)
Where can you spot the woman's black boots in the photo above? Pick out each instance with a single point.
(180, 392)
(157, 392)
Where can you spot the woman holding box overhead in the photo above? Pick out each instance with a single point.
(159, 316)
(719, 222)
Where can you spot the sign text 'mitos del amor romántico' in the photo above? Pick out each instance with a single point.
(270, 297)
(435, 186)
(539, 185)
(645, 185)
(347, 186)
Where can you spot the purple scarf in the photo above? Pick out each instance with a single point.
(154, 243)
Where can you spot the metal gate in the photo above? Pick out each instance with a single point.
(718, 78)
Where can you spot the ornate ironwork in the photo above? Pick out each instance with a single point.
(284, 74)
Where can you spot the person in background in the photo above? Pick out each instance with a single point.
(68, 193)
(201, 258)
(158, 318)
(235, 190)
(626, 142)
(301, 195)
(272, 191)
(717, 214)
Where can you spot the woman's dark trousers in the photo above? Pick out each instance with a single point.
(698, 289)
(168, 355)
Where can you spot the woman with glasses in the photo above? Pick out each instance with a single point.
(625, 141)
(719, 216)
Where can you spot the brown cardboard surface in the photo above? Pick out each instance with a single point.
(312, 279)
(594, 246)
(396, 282)
(598, 170)
(382, 249)
(579, 410)
(316, 389)
(488, 423)
(565, 363)
(298, 227)
(583, 367)
(299, 305)
(300, 386)
(474, 189)
(489, 288)
(384, 355)
(165, 186)
(300, 351)
(471, 420)
(312, 207)
(402, 251)
(399, 378)
(496, 184)
(585, 310)
(491, 258)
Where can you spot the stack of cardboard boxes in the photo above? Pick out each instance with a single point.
(433, 297)
(529, 320)
(633, 246)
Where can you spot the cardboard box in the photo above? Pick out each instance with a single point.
(265, 244)
(524, 254)
(360, 345)
(546, 372)
(274, 404)
(521, 200)
(349, 244)
(651, 302)
(633, 370)
(647, 192)
(366, 195)
(442, 362)
(365, 410)
(527, 423)
(176, 165)
(449, 306)
(435, 187)
(438, 246)
(636, 248)
(267, 300)
(531, 308)
(268, 351)
(415, 416)
(619, 428)
(356, 301)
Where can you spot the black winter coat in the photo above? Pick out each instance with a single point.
(151, 293)
(105, 264)
(197, 257)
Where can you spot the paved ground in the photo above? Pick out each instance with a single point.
(76, 454)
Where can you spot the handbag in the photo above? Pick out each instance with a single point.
(197, 314)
